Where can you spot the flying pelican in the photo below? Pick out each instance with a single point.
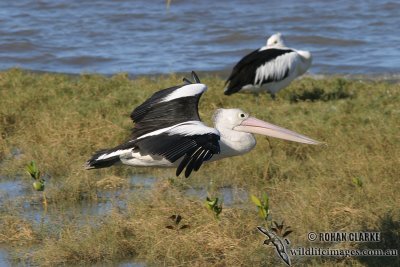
(270, 68)
(168, 132)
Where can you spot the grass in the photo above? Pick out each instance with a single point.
(352, 184)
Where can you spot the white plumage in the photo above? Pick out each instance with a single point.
(169, 133)
(270, 68)
(184, 91)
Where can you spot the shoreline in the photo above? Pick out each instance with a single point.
(223, 74)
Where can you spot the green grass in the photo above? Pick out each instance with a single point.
(59, 121)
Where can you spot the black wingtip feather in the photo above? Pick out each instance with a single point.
(188, 171)
(185, 80)
(195, 77)
(198, 164)
(200, 159)
(182, 165)
(193, 162)
(104, 163)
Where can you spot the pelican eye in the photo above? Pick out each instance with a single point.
(242, 115)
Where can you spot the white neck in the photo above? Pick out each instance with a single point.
(234, 143)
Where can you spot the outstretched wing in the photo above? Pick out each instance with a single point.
(192, 142)
(259, 67)
(168, 124)
(168, 107)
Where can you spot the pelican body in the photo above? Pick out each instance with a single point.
(270, 68)
(168, 132)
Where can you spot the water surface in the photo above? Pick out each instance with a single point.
(142, 37)
(4, 258)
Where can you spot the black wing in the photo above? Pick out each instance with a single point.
(168, 107)
(139, 112)
(195, 149)
(244, 72)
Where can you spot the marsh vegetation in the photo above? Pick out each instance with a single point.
(351, 184)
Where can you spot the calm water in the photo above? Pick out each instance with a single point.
(142, 37)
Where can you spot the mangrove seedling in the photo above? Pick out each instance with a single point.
(262, 205)
(38, 183)
(176, 219)
(212, 204)
(34, 172)
(358, 182)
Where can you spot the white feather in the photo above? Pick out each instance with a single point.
(135, 158)
(115, 153)
(184, 128)
(276, 68)
(185, 91)
(197, 128)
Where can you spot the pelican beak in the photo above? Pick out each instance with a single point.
(253, 125)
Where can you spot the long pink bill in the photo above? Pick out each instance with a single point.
(253, 125)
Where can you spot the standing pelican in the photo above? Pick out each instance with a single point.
(270, 68)
(168, 132)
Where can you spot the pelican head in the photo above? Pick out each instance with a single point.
(275, 40)
(237, 120)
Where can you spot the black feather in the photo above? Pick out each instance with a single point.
(95, 163)
(244, 72)
(139, 112)
(195, 149)
(172, 147)
(199, 161)
(195, 77)
(192, 163)
(182, 165)
(185, 80)
(167, 114)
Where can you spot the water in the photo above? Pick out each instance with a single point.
(3, 258)
(5, 262)
(227, 195)
(15, 192)
(10, 189)
(142, 37)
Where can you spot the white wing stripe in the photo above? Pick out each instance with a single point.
(192, 129)
(184, 128)
(112, 154)
(186, 90)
